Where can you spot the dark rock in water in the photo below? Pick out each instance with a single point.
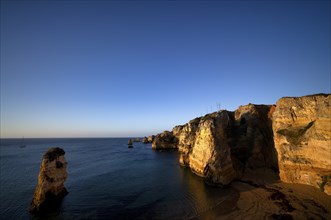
(136, 140)
(130, 144)
(50, 189)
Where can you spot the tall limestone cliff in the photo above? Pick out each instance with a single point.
(210, 154)
(50, 189)
(302, 131)
(292, 138)
(186, 139)
(221, 145)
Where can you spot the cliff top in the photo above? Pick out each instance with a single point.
(312, 95)
(53, 153)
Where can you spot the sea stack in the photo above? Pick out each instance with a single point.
(50, 189)
(130, 144)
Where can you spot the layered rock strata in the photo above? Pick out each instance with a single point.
(50, 189)
(210, 154)
(292, 139)
(302, 131)
(219, 146)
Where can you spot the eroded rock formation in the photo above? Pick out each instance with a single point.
(292, 139)
(221, 145)
(186, 139)
(165, 141)
(151, 139)
(302, 131)
(253, 129)
(210, 154)
(145, 140)
(50, 189)
(148, 139)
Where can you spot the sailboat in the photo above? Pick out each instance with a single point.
(22, 145)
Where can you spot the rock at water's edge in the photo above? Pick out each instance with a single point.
(292, 138)
(221, 145)
(145, 140)
(151, 138)
(50, 189)
(130, 142)
(302, 134)
(210, 154)
(165, 141)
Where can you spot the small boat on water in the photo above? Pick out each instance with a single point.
(130, 144)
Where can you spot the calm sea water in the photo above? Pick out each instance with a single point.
(107, 180)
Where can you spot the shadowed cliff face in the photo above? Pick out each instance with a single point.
(165, 141)
(236, 141)
(50, 189)
(302, 130)
(252, 136)
(292, 139)
(220, 145)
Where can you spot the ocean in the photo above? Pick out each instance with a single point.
(108, 180)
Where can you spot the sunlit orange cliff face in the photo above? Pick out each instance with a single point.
(50, 189)
(292, 138)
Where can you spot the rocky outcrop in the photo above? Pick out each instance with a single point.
(145, 140)
(50, 189)
(165, 141)
(302, 131)
(226, 143)
(148, 139)
(136, 139)
(210, 154)
(130, 143)
(292, 139)
(186, 138)
(252, 136)
(221, 145)
(151, 139)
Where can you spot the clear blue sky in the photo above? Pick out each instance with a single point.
(130, 68)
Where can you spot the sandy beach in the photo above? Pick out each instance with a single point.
(261, 195)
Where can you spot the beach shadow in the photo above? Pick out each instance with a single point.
(264, 196)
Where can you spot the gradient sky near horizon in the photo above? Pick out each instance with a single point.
(135, 68)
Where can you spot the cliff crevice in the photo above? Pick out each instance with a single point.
(221, 145)
(291, 137)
